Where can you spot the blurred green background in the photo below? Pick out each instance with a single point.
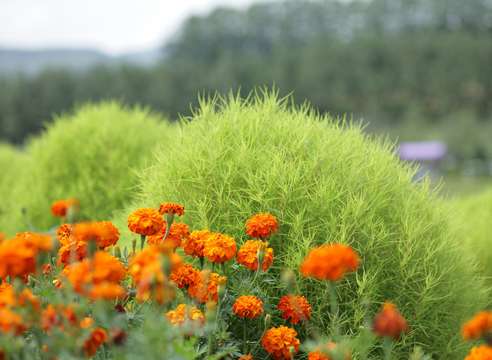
(413, 70)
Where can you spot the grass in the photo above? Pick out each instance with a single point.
(93, 155)
(326, 182)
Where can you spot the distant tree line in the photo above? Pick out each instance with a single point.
(414, 68)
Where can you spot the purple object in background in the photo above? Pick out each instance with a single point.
(422, 151)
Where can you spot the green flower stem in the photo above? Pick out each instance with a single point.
(334, 308)
(387, 348)
(142, 241)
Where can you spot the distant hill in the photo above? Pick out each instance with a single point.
(33, 61)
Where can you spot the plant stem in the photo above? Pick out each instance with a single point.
(334, 308)
(142, 241)
(245, 346)
(387, 347)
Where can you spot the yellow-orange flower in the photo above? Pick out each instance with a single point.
(184, 275)
(18, 256)
(261, 226)
(219, 248)
(185, 314)
(178, 233)
(195, 243)
(64, 233)
(322, 352)
(145, 222)
(11, 322)
(60, 208)
(478, 327)
(294, 308)
(98, 277)
(146, 270)
(483, 352)
(249, 252)
(389, 322)
(72, 252)
(330, 262)
(206, 287)
(104, 233)
(171, 209)
(246, 357)
(95, 340)
(248, 307)
(281, 342)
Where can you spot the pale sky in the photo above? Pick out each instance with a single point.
(113, 26)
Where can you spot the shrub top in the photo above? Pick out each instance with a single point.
(475, 220)
(92, 155)
(326, 182)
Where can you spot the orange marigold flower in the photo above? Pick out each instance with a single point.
(98, 277)
(146, 270)
(261, 226)
(248, 307)
(195, 243)
(329, 262)
(219, 248)
(249, 252)
(7, 295)
(60, 208)
(206, 287)
(281, 342)
(246, 357)
(184, 275)
(18, 256)
(389, 322)
(483, 352)
(86, 322)
(184, 313)
(26, 297)
(64, 233)
(171, 209)
(107, 291)
(37, 242)
(145, 222)
(104, 233)
(294, 308)
(72, 252)
(178, 233)
(10, 322)
(479, 326)
(324, 352)
(95, 340)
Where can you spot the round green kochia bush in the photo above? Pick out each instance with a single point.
(93, 155)
(13, 163)
(326, 182)
(475, 219)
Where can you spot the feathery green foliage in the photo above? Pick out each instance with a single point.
(326, 182)
(475, 215)
(91, 155)
(13, 163)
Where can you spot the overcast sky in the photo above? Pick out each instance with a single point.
(113, 26)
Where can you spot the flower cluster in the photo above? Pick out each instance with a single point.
(97, 278)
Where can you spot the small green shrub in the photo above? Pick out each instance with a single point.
(475, 219)
(13, 163)
(92, 155)
(326, 182)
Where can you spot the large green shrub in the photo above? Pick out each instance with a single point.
(475, 219)
(92, 155)
(326, 182)
(13, 163)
